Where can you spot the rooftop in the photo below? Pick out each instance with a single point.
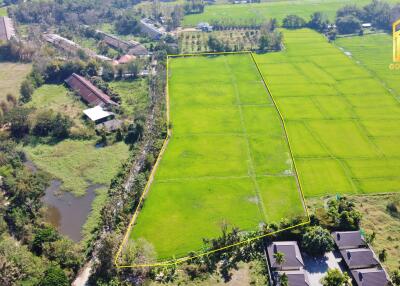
(97, 113)
(291, 251)
(370, 277)
(348, 239)
(6, 29)
(89, 93)
(297, 278)
(359, 258)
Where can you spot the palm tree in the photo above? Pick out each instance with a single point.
(283, 280)
(279, 258)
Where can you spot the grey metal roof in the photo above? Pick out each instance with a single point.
(348, 239)
(291, 251)
(370, 277)
(7, 30)
(359, 258)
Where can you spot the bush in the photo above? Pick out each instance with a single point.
(49, 123)
(26, 90)
(317, 241)
(54, 275)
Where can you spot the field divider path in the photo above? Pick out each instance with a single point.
(286, 137)
(252, 171)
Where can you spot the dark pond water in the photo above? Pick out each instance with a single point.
(67, 212)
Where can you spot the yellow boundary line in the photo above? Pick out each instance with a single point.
(166, 140)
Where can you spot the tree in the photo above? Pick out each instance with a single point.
(47, 234)
(348, 24)
(20, 124)
(293, 22)
(279, 258)
(127, 24)
(132, 69)
(350, 10)
(395, 276)
(283, 279)
(318, 21)
(383, 255)
(317, 241)
(26, 91)
(335, 277)
(54, 275)
(50, 123)
(379, 14)
(108, 72)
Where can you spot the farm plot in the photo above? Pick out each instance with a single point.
(374, 52)
(344, 125)
(255, 14)
(227, 161)
(236, 39)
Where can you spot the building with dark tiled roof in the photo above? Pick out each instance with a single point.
(349, 239)
(359, 258)
(88, 92)
(370, 277)
(291, 251)
(296, 278)
(7, 30)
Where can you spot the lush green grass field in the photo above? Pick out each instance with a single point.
(375, 53)
(11, 77)
(227, 161)
(248, 14)
(344, 125)
(134, 95)
(58, 98)
(78, 163)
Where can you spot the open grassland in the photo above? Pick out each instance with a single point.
(253, 14)
(3, 11)
(376, 218)
(342, 122)
(134, 95)
(79, 164)
(11, 77)
(227, 160)
(375, 53)
(59, 99)
(237, 40)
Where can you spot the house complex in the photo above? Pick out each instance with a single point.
(151, 29)
(292, 266)
(130, 47)
(88, 92)
(362, 262)
(70, 46)
(7, 30)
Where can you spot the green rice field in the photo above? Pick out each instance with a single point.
(375, 53)
(250, 14)
(342, 120)
(227, 161)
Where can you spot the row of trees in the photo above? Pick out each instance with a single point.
(44, 258)
(349, 19)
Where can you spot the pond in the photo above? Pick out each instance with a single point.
(67, 212)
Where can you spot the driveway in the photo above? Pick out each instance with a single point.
(316, 268)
